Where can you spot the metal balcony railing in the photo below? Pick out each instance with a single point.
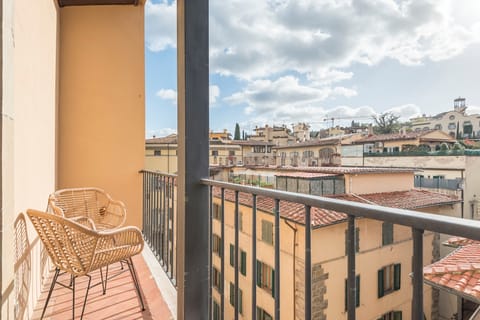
(159, 194)
(159, 218)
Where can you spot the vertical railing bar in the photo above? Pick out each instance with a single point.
(254, 257)
(210, 256)
(417, 298)
(149, 208)
(163, 200)
(174, 232)
(277, 259)
(236, 256)
(308, 263)
(167, 218)
(156, 211)
(351, 285)
(172, 218)
(222, 265)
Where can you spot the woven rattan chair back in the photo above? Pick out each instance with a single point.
(92, 203)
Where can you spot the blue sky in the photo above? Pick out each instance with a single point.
(286, 61)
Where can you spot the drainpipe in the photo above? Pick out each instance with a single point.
(295, 230)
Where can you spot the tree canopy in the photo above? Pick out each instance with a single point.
(386, 122)
(236, 135)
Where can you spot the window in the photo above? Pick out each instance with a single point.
(243, 262)
(426, 128)
(217, 211)
(217, 245)
(232, 255)
(216, 278)
(357, 240)
(451, 126)
(387, 233)
(243, 259)
(438, 127)
(259, 149)
(240, 221)
(357, 292)
(389, 279)
(215, 153)
(216, 310)
(263, 315)
(157, 153)
(240, 298)
(438, 177)
(392, 315)
(266, 277)
(231, 152)
(267, 231)
(452, 117)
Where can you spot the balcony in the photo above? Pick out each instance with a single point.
(238, 287)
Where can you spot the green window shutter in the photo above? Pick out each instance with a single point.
(243, 263)
(232, 294)
(240, 301)
(381, 292)
(232, 255)
(397, 276)
(273, 283)
(387, 233)
(397, 315)
(357, 293)
(259, 274)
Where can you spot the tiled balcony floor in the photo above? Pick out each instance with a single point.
(120, 301)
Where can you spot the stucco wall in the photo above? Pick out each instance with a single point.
(28, 144)
(370, 183)
(101, 110)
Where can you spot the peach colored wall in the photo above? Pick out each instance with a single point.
(29, 100)
(372, 183)
(166, 162)
(101, 136)
(372, 256)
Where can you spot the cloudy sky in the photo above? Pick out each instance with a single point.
(286, 61)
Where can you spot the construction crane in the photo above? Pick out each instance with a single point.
(344, 118)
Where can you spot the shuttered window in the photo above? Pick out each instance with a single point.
(392, 315)
(357, 240)
(267, 232)
(266, 277)
(389, 279)
(357, 292)
(243, 262)
(387, 233)
(232, 255)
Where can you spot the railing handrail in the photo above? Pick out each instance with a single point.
(415, 219)
(162, 173)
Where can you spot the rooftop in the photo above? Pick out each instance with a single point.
(170, 139)
(402, 136)
(346, 170)
(412, 199)
(459, 272)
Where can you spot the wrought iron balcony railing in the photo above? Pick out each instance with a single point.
(160, 224)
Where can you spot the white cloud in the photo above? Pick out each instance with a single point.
(214, 93)
(406, 111)
(473, 110)
(160, 25)
(257, 39)
(168, 94)
(160, 133)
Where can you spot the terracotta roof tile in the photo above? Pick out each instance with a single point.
(410, 199)
(305, 174)
(346, 170)
(322, 217)
(459, 242)
(459, 271)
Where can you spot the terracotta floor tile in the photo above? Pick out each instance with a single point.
(119, 303)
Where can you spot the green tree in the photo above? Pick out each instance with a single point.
(386, 122)
(236, 136)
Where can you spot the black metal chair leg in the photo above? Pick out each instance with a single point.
(86, 295)
(54, 280)
(73, 297)
(133, 273)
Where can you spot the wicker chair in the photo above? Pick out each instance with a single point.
(78, 250)
(90, 206)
